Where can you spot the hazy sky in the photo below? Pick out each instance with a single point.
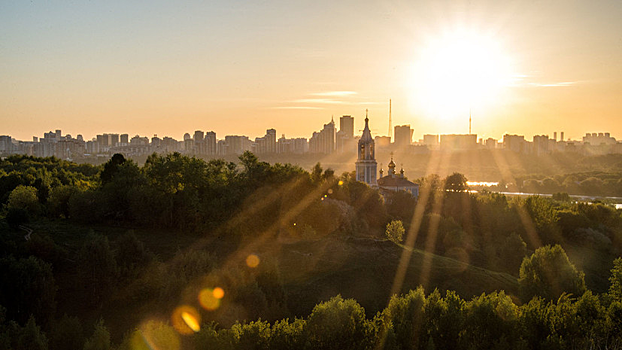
(241, 67)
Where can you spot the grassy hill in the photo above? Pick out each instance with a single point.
(365, 269)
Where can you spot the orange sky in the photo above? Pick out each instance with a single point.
(241, 67)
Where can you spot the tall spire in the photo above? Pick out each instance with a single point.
(390, 127)
(366, 132)
(469, 121)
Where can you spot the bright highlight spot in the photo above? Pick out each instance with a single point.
(155, 335)
(252, 261)
(209, 300)
(460, 70)
(186, 320)
(340, 183)
(190, 321)
(219, 293)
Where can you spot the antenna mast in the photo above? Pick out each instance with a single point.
(390, 128)
(469, 121)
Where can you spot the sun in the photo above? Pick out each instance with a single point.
(458, 71)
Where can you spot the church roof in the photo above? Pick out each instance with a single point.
(395, 181)
(366, 137)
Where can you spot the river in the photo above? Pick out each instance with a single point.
(616, 200)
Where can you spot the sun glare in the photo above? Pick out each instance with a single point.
(459, 71)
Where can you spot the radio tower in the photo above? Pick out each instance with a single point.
(469, 121)
(390, 128)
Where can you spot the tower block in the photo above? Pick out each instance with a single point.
(366, 166)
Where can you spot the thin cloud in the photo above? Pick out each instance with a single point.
(369, 103)
(318, 100)
(335, 93)
(297, 107)
(560, 84)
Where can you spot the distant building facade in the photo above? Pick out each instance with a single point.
(403, 135)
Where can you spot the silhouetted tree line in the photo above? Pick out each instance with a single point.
(607, 184)
(253, 200)
(410, 321)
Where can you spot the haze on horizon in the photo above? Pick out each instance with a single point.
(241, 67)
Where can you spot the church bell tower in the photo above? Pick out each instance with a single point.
(366, 166)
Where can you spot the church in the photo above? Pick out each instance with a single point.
(366, 168)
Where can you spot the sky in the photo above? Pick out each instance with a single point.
(241, 67)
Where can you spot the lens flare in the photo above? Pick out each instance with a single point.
(186, 320)
(191, 321)
(209, 300)
(218, 293)
(252, 261)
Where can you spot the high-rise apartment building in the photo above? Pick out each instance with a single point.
(346, 124)
(457, 142)
(324, 140)
(210, 143)
(403, 135)
(515, 143)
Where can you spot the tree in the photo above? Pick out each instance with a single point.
(615, 289)
(27, 287)
(395, 231)
(111, 167)
(152, 335)
(456, 182)
(25, 198)
(406, 315)
(512, 252)
(131, 255)
(338, 324)
(97, 268)
(31, 337)
(548, 273)
(67, 333)
(100, 340)
(544, 217)
(58, 201)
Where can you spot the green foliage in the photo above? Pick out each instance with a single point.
(184, 269)
(58, 201)
(615, 289)
(27, 287)
(67, 333)
(31, 337)
(87, 206)
(131, 255)
(16, 217)
(395, 231)
(406, 316)
(455, 182)
(544, 217)
(491, 321)
(561, 196)
(512, 252)
(97, 268)
(152, 335)
(548, 273)
(338, 324)
(24, 198)
(100, 340)
(111, 168)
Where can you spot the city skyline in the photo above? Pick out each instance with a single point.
(559, 134)
(238, 68)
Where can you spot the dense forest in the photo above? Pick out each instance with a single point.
(187, 253)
